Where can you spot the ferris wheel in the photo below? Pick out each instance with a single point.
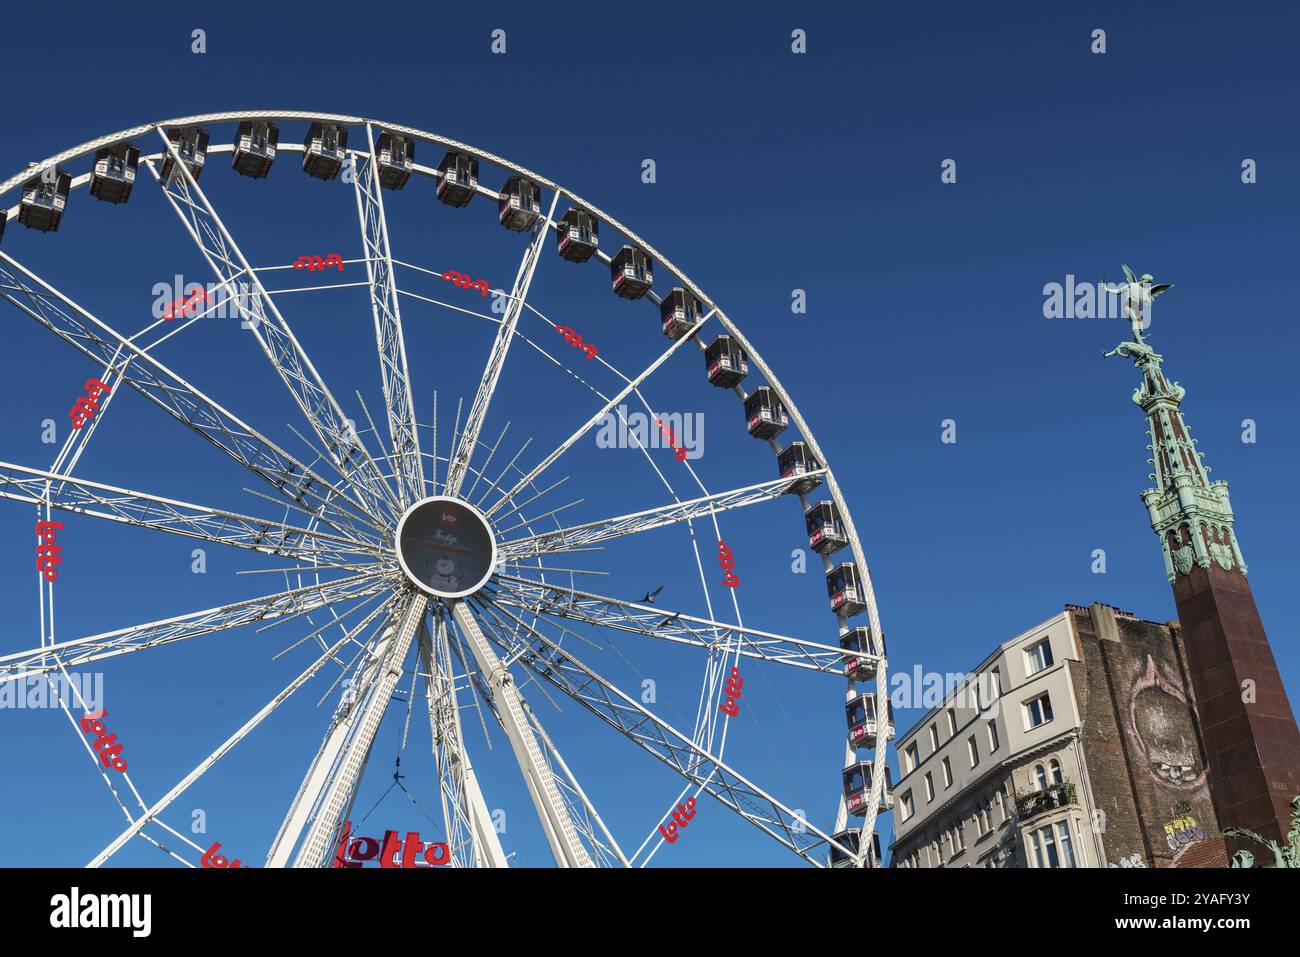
(436, 560)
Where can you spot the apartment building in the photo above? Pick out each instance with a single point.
(1074, 744)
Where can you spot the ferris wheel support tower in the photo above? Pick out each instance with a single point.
(462, 799)
(551, 810)
(342, 787)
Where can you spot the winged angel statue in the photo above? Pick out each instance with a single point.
(1139, 293)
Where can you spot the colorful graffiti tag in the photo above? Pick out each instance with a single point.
(1183, 829)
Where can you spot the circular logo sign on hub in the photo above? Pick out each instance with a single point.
(445, 547)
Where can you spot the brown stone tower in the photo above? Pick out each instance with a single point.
(1251, 740)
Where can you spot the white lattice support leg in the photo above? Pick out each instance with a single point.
(317, 844)
(551, 808)
(459, 783)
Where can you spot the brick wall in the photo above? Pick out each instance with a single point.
(1141, 739)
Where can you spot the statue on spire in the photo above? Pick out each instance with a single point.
(1138, 293)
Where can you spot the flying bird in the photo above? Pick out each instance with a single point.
(650, 597)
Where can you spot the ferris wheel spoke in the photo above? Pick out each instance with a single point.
(123, 641)
(559, 601)
(109, 783)
(203, 766)
(464, 451)
(151, 378)
(408, 466)
(609, 405)
(576, 536)
(657, 737)
(178, 518)
(339, 438)
(471, 833)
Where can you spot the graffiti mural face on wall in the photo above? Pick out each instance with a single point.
(1162, 722)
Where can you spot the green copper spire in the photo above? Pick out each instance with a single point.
(1191, 515)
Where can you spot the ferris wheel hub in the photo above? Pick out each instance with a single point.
(446, 547)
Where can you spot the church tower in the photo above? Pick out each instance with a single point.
(1252, 744)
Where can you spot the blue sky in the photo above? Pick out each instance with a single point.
(774, 172)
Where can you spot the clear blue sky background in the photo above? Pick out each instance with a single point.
(775, 172)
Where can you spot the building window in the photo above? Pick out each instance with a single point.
(1052, 851)
(1002, 807)
(1038, 657)
(988, 687)
(993, 736)
(1055, 767)
(973, 750)
(929, 786)
(1039, 710)
(1067, 846)
(911, 758)
(905, 805)
(952, 722)
(985, 818)
(958, 844)
(934, 737)
(1044, 847)
(947, 773)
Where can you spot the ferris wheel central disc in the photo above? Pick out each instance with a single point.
(445, 547)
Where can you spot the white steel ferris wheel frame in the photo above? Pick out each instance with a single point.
(347, 523)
